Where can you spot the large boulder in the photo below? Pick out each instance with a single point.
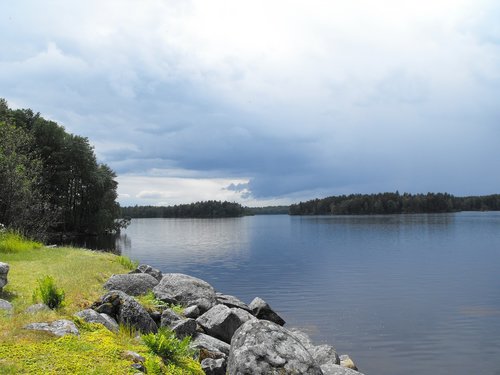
(125, 310)
(133, 284)
(221, 321)
(4, 270)
(262, 310)
(92, 316)
(144, 268)
(186, 290)
(231, 301)
(59, 327)
(263, 347)
(215, 347)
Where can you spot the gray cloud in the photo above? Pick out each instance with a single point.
(306, 104)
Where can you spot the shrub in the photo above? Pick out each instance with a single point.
(166, 345)
(50, 294)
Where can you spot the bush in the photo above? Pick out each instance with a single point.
(50, 294)
(166, 345)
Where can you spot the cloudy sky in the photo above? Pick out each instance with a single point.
(266, 102)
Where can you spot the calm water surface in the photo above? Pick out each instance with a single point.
(402, 294)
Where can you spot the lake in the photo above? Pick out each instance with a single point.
(401, 294)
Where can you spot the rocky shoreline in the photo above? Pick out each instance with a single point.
(232, 337)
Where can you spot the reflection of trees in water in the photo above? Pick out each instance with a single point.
(123, 244)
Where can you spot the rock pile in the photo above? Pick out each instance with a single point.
(232, 337)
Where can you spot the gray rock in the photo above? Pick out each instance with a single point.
(322, 354)
(331, 369)
(303, 338)
(210, 344)
(144, 268)
(169, 317)
(192, 312)
(39, 307)
(214, 366)
(231, 301)
(185, 290)
(126, 310)
(4, 270)
(185, 327)
(6, 306)
(262, 310)
(59, 327)
(263, 347)
(111, 323)
(91, 316)
(221, 322)
(325, 354)
(133, 284)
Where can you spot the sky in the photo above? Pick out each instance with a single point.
(266, 102)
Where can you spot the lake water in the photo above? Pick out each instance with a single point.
(401, 294)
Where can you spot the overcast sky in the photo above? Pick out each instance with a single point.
(266, 102)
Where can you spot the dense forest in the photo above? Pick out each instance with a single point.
(207, 209)
(395, 203)
(50, 180)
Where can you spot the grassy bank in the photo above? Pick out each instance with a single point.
(81, 274)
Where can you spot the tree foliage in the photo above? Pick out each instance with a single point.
(395, 203)
(207, 209)
(51, 180)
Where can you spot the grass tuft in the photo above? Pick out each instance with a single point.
(126, 262)
(50, 294)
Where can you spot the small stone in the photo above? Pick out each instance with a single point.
(139, 367)
(39, 307)
(262, 310)
(92, 316)
(6, 306)
(133, 356)
(214, 366)
(347, 362)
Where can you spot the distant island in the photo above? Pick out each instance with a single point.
(395, 203)
(205, 209)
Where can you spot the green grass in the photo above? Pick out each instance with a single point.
(81, 274)
(11, 242)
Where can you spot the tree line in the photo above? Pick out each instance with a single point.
(50, 180)
(206, 209)
(395, 203)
